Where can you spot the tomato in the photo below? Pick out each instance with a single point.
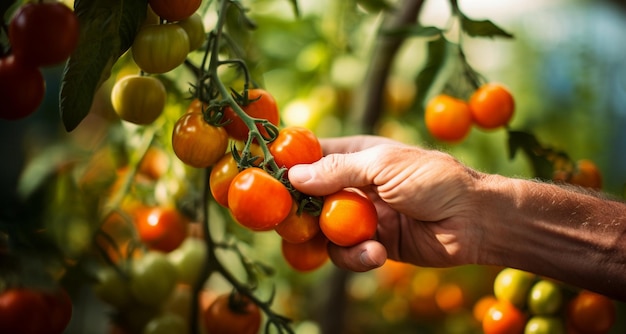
(590, 312)
(348, 218)
(544, 325)
(222, 174)
(161, 228)
(43, 33)
(188, 259)
(448, 118)
(257, 200)
(154, 163)
(198, 143)
(297, 228)
(261, 105)
(152, 278)
(159, 48)
(59, 306)
(174, 10)
(513, 285)
(545, 298)
(138, 99)
(232, 313)
(194, 27)
(504, 318)
(166, 323)
(587, 175)
(491, 106)
(22, 88)
(306, 256)
(112, 288)
(295, 145)
(23, 311)
(480, 308)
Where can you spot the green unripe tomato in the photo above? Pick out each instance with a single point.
(513, 285)
(188, 259)
(159, 48)
(166, 324)
(545, 298)
(112, 288)
(194, 27)
(153, 278)
(138, 99)
(544, 325)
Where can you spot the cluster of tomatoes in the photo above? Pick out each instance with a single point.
(526, 303)
(41, 34)
(450, 119)
(158, 47)
(34, 310)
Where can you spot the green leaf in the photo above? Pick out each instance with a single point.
(437, 54)
(484, 28)
(108, 28)
(375, 6)
(413, 31)
(539, 156)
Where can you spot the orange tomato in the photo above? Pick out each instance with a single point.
(503, 318)
(586, 174)
(590, 312)
(448, 118)
(306, 256)
(492, 106)
(222, 174)
(298, 228)
(482, 306)
(161, 228)
(348, 218)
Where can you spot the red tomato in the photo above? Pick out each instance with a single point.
(43, 33)
(59, 306)
(348, 218)
(232, 313)
(222, 174)
(23, 311)
(161, 228)
(174, 10)
(22, 88)
(308, 255)
(295, 145)
(297, 228)
(261, 105)
(503, 318)
(590, 312)
(257, 200)
(198, 143)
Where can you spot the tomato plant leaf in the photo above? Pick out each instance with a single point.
(108, 28)
(375, 6)
(437, 54)
(482, 28)
(538, 155)
(413, 31)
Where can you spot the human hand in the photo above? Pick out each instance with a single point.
(426, 201)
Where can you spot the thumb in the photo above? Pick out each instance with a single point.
(332, 173)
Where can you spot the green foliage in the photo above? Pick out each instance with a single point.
(108, 29)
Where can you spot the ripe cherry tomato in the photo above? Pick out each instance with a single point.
(257, 200)
(504, 318)
(154, 164)
(297, 228)
(198, 143)
(261, 105)
(43, 33)
(306, 256)
(492, 106)
(152, 278)
(174, 10)
(348, 218)
(59, 305)
(159, 48)
(448, 118)
(23, 311)
(232, 313)
(590, 312)
(138, 99)
(295, 145)
(222, 174)
(194, 27)
(22, 88)
(587, 174)
(161, 228)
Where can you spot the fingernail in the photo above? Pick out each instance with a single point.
(300, 174)
(368, 261)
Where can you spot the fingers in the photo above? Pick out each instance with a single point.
(365, 256)
(352, 143)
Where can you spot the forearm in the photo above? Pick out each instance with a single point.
(561, 233)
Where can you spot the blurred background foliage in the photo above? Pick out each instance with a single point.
(566, 67)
